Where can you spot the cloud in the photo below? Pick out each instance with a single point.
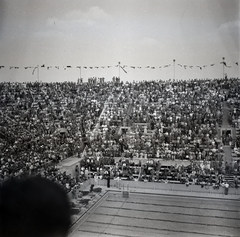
(147, 41)
(231, 25)
(230, 32)
(52, 21)
(75, 24)
(54, 34)
(71, 21)
(94, 16)
(94, 13)
(151, 44)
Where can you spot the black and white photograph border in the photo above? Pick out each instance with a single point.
(119, 118)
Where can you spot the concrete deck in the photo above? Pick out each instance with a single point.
(160, 213)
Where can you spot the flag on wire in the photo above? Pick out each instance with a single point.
(34, 70)
(151, 67)
(224, 63)
(123, 69)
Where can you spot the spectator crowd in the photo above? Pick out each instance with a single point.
(41, 124)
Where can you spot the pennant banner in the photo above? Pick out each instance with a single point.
(201, 67)
(123, 69)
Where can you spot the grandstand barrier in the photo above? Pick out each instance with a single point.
(68, 165)
(82, 187)
(120, 184)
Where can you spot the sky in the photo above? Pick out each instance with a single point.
(145, 36)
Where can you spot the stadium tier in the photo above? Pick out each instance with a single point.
(142, 130)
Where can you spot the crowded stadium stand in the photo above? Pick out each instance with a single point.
(184, 132)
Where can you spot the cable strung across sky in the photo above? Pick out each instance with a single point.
(122, 67)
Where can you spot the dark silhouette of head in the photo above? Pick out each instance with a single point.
(33, 207)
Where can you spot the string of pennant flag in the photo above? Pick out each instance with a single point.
(124, 67)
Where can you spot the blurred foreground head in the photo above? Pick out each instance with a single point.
(33, 207)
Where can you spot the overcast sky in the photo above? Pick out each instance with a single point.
(101, 33)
